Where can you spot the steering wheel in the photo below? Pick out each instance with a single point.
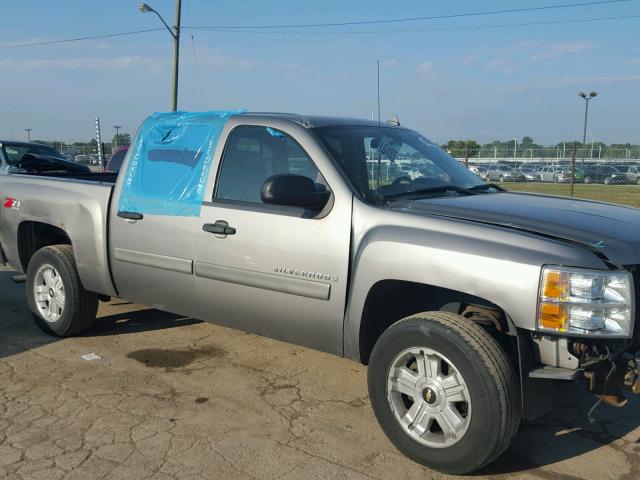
(405, 179)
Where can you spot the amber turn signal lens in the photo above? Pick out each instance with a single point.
(554, 316)
(556, 285)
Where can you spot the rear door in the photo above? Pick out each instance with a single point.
(282, 272)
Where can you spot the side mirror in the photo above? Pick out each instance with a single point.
(294, 191)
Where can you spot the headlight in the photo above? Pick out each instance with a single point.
(586, 302)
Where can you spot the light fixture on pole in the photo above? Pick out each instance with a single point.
(115, 139)
(175, 33)
(586, 97)
(28, 130)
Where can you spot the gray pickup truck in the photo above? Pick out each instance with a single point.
(473, 307)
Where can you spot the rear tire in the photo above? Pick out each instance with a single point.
(59, 303)
(481, 414)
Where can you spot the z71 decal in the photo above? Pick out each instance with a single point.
(11, 203)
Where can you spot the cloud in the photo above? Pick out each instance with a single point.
(556, 50)
(507, 66)
(467, 59)
(598, 79)
(427, 70)
(80, 63)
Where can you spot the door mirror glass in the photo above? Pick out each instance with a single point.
(294, 191)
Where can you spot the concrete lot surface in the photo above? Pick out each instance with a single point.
(174, 398)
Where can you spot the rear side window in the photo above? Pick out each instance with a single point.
(253, 154)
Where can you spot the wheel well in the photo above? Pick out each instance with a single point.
(391, 300)
(32, 236)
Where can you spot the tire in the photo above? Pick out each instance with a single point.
(59, 303)
(501, 179)
(587, 179)
(493, 409)
(607, 181)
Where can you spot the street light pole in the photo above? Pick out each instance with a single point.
(115, 139)
(586, 114)
(28, 130)
(175, 33)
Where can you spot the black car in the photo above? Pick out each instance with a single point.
(33, 157)
(607, 174)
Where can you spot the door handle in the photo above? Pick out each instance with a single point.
(219, 228)
(130, 215)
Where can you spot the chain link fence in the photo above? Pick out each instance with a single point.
(604, 174)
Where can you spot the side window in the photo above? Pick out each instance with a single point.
(252, 155)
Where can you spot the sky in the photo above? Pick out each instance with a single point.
(446, 78)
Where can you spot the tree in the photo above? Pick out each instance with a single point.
(462, 148)
(122, 139)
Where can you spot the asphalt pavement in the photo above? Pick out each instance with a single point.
(160, 396)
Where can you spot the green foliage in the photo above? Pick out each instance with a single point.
(462, 148)
(122, 139)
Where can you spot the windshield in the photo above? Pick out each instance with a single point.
(384, 162)
(14, 152)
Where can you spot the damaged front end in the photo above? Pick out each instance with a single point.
(586, 331)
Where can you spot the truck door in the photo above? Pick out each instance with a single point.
(156, 208)
(278, 271)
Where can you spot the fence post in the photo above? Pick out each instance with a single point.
(466, 154)
(573, 167)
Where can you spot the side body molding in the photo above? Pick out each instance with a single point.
(266, 281)
(174, 264)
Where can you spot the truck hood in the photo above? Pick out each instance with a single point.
(609, 230)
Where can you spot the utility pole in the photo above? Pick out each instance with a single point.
(115, 139)
(28, 130)
(378, 91)
(99, 140)
(175, 33)
(586, 113)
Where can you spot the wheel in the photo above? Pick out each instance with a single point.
(444, 392)
(607, 181)
(59, 303)
(501, 178)
(587, 179)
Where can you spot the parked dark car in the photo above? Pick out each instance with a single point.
(115, 162)
(607, 174)
(27, 157)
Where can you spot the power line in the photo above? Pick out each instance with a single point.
(418, 19)
(78, 39)
(266, 28)
(435, 29)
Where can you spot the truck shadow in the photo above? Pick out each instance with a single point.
(137, 321)
(19, 332)
(565, 434)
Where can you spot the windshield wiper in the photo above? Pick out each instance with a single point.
(426, 191)
(485, 186)
(445, 188)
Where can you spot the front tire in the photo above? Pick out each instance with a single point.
(59, 303)
(444, 392)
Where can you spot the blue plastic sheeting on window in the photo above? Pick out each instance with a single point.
(170, 162)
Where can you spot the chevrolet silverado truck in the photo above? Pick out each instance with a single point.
(473, 307)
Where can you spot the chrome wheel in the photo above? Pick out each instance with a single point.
(429, 397)
(48, 290)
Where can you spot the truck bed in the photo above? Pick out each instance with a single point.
(101, 177)
(76, 203)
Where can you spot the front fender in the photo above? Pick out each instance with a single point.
(497, 264)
